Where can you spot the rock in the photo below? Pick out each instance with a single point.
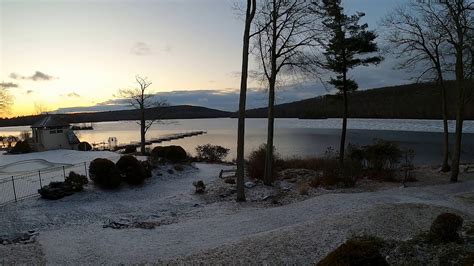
(230, 180)
(116, 225)
(196, 205)
(170, 171)
(145, 225)
(178, 168)
(445, 227)
(249, 184)
(267, 197)
(200, 186)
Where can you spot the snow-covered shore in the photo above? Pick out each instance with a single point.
(71, 230)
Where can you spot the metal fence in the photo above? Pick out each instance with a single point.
(25, 185)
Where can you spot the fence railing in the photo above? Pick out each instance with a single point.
(21, 186)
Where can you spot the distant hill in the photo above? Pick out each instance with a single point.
(171, 112)
(415, 101)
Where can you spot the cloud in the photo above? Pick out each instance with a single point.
(37, 76)
(73, 95)
(29, 92)
(141, 48)
(8, 85)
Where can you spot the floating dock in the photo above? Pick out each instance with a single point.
(163, 139)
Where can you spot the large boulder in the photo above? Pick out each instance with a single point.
(56, 190)
(445, 228)
(357, 251)
(174, 154)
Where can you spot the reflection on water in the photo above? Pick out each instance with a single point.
(293, 137)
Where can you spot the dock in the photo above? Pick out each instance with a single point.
(162, 139)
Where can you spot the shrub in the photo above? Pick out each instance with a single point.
(148, 168)
(256, 162)
(56, 190)
(104, 173)
(76, 181)
(303, 189)
(84, 146)
(21, 147)
(174, 154)
(382, 155)
(130, 149)
(211, 153)
(356, 251)
(131, 169)
(445, 228)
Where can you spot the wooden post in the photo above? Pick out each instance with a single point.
(85, 169)
(14, 189)
(39, 175)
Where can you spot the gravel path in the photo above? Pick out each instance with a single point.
(71, 230)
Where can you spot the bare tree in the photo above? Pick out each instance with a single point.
(285, 29)
(142, 100)
(41, 108)
(249, 16)
(415, 37)
(455, 19)
(5, 100)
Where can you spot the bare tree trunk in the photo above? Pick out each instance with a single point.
(142, 132)
(268, 176)
(251, 7)
(444, 102)
(459, 116)
(268, 173)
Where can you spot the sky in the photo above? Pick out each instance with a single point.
(72, 55)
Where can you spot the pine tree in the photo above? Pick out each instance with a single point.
(349, 45)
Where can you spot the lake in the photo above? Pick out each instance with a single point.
(293, 137)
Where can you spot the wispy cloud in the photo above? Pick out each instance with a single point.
(71, 95)
(8, 85)
(141, 48)
(37, 76)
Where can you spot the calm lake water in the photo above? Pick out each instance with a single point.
(293, 137)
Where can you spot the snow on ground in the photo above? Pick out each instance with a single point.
(71, 230)
(58, 156)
